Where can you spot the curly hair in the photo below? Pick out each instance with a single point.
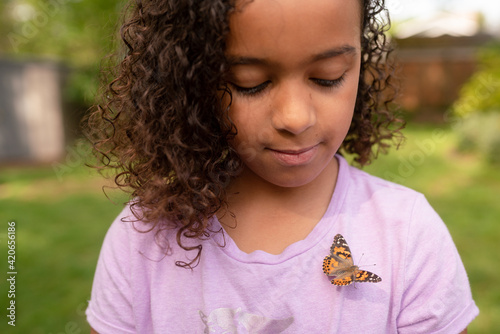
(161, 126)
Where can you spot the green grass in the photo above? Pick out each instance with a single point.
(61, 222)
(60, 225)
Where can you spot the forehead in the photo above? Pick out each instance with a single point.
(292, 28)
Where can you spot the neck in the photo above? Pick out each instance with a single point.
(250, 187)
(268, 217)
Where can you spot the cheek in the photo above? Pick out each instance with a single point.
(249, 117)
(239, 114)
(242, 120)
(349, 96)
(244, 144)
(340, 107)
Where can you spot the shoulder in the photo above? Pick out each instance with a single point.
(363, 181)
(129, 242)
(138, 244)
(387, 210)
(127, 233)
(364, 190)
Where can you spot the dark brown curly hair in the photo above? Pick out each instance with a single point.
(160, 124)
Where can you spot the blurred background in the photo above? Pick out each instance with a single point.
(50, 56)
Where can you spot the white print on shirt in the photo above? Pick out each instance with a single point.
(229, 321)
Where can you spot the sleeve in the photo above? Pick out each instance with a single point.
(437, 296)
(110, 307)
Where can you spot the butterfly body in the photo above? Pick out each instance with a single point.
(340, 264)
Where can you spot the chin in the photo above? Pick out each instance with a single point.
(292, 181)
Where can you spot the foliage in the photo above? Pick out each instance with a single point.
(478, 107)
(481, 132)
(482, 92)
(75, 32)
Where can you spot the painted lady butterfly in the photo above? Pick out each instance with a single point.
(339, 264)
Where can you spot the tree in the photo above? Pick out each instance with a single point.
(75, 32)
(478, 107)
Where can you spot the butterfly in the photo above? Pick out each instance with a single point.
(339, 264)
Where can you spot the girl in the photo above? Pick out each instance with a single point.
(225, 118)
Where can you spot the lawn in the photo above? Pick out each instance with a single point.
(61, 217)
(60, 223)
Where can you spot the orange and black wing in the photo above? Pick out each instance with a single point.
(340, 248)
(366, 276)
(339, 259)
(342, 281)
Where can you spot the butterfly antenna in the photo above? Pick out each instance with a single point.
(365, 265)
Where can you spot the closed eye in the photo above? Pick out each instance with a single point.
(329, 83)
(249, 91)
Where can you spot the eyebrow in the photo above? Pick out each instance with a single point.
(331, 53)
(340, 51)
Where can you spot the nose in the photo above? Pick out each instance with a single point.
(292, 108)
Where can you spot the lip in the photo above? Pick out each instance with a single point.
(295, 157)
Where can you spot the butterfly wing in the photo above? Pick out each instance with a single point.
(342, 281)
(366, 276)
(340, 249)
(339, 261)
(340, 264)
(329, 265)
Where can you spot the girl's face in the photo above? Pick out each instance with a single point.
(294, 74)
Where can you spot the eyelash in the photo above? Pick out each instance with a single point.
(252, 91)
(330, 83)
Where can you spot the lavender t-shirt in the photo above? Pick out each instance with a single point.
(139, 289)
